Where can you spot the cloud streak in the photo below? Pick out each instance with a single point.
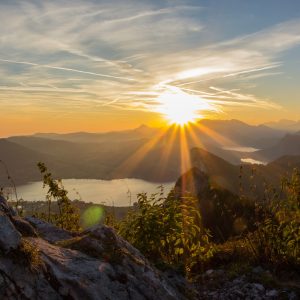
(125, 58)
(65, 69)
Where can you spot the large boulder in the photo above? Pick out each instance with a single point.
(95, 264)
(5, 208)
(48, 231)
(24, 227)
(10, 238)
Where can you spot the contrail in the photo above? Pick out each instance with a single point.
(66, 69)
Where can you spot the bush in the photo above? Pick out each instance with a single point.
(68, 216)
(277, 238)
(168, 231)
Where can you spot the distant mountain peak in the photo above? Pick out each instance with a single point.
(142, 126)
(284, 124)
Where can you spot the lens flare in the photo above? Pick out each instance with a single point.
(92, 216)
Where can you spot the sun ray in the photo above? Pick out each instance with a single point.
(219, 139)
(185, 159)
(170, 149)
(127, 167)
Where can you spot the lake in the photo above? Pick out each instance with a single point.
(252, 161)
(240, 149)
(246, 150)
(118, 192)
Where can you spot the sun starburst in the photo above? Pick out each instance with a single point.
(179, 107)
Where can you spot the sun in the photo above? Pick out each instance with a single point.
(178, 116)
(179, 107)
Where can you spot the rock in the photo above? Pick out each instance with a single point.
(258, 270)
(10, 238)
(292, 296)
(241, 288)
(72, 274)
(272, 294)
(125, 265)
(24, 227)
(259, 287)
(209, 272)
(17, 282)
(5, 208)
(48, 231)
(96, 264)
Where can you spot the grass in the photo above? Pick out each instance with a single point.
(28, 254)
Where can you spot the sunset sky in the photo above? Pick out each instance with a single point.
(110, 65)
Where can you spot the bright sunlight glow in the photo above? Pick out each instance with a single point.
(179, 107)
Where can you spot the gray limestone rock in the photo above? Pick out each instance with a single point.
(48, 231)
(10, 238)
(95, 264)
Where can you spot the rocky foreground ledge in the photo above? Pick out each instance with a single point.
(41, 261)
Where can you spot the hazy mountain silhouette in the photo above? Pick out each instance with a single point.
(236, 132)
(21, 162)
(152, 154)
(245, 177)
(66, 159)
(141, 132)
(288, 145)
(231, 132)
(286, 125)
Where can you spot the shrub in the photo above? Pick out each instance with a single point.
(68, 216)
(277, 238)
(168, 231)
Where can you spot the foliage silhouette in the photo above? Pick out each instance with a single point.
(68, 216)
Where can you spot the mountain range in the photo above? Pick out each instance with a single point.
(283, 124)
(157, 155)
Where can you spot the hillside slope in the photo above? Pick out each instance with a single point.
(21, 162)
(235, 178)
(288, 145)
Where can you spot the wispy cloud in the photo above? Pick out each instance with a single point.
(125, 54)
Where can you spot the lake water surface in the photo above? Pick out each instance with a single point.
(252, 161)
(118, 192)
(241, 149)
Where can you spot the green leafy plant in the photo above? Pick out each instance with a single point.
(277, 238)
(68, 216)
(168, 231)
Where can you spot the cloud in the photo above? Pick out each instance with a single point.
(124, 58)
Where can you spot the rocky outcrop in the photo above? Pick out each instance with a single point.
(25, 228)
(5, 208)
(40, 261)
(48, 231)
(9, 238)
(215, 285)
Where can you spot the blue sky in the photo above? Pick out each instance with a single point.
(100, 65)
